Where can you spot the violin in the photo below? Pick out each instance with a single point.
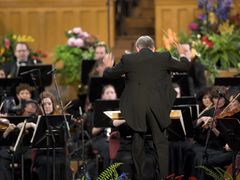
(231, 109)
(4, 123)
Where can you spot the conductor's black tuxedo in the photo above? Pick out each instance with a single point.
(148, 95)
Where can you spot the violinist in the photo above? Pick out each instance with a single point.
(233, 108)
(8, 133)
(215, 156)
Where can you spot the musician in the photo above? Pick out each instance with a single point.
(148, 96)
(204, 99)
(21, 53)
(23, 94)
(5, 159)
(2, 73)
(48, 104)
(214, 155)
(6, 137)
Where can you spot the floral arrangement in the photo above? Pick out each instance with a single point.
(79, 46)
(7, 48)
(215, 37)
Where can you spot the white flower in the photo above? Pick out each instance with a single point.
(77, 30)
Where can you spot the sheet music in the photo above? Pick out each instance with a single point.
(35, 130)
(114, 115)
(177, 114)
(20, 136)
(182, 124)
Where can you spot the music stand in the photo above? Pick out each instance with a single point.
(40, 133)
(176, 128)
(182, 79)
(42, 77)
(18, 119)
(97, 83)
(191, 101)
(230, 130)
(227, 81)
(100, 106)
(8, 87)
(87, 66)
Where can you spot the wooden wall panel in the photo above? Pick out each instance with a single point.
(48, 20)
(177, 14)
(173, 14)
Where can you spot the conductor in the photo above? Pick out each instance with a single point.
(148, 97)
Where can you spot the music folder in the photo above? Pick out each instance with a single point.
(96, 85)
(181, 123)
(87, 66)
(105, 111)
(227, 81)
(41, 75)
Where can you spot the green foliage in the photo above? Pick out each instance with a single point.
(110, 173)
(216, 173)
(71, 57)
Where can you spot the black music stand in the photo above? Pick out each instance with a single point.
(96, 84)
(40, 134)
(100, 106)
(230, 130)
(190, 101)
(87, 66)
(175, 129)
(39, 73)
(49, 135)
(182, 79)
(227, 81)
(8, 87)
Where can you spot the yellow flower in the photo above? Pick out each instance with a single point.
(24, 38)
(2, 51)
(193, 53)
(14, 36)
(212, 18)
(226, 28)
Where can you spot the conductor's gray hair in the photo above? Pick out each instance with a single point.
(144, 42)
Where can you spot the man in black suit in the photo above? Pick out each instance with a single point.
(148, 96)
(21, 52)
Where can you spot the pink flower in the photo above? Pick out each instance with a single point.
(77, 30)
(79, 42)
(85, 35)
(71, 41)
(193, 26)
(7, 43)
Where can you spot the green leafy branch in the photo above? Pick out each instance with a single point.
(110, 173)
(216, 173)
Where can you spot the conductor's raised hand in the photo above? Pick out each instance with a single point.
(108, 60)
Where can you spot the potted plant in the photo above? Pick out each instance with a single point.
(79, 46)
